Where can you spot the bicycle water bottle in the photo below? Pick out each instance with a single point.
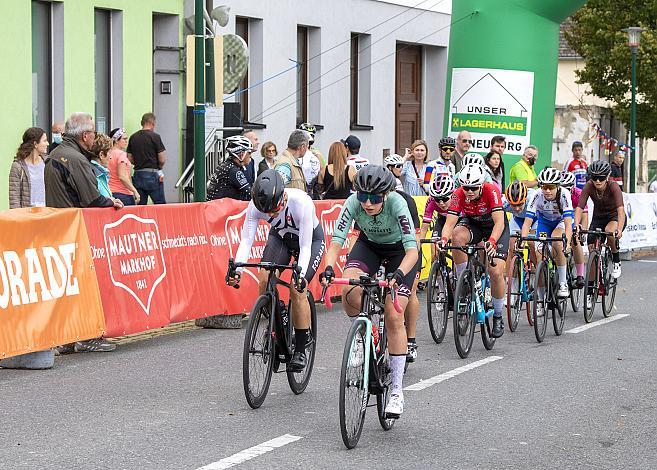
(480, 307)
(285, 316)
(488, 298)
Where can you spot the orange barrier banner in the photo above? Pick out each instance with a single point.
(48, 289)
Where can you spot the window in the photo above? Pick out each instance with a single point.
(302, 74)
(360, 86)
(354, 80)
(42, 65)
(103, 69)
(242, 30)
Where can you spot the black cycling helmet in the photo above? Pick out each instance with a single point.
(374, 179)
(599, 168)
(267, 191)
(447, 142)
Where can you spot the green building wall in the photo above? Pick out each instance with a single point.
(16, 69)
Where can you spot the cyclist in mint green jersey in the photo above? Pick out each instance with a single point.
(387, 235)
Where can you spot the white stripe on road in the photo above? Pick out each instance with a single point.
(647, 261)
(579, 329)
(422, 384)
(251, 452)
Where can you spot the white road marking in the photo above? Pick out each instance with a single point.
(251, 452)
(647, 260)
(422, 384)
(579, 329)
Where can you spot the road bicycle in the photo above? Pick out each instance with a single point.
(519, 287)
(546, 286)
(599, 281)
(440, 293)
(365, 367)
(575, 293)
(472, 301)
(269, 338)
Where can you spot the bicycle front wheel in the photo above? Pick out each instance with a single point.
(299, 380)
(592, 284)
(354, 391)
(385, 377)
(609, 296)
(513, 293)
(464, 318)
(575, 293)
(258, 353)
(437, 303)
(541, 302)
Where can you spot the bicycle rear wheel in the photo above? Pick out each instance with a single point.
(486, 329)
(575, 293)
(592, 280)
(437, 303)
(540, 307)
(354, 391)
(258, 353)
(464, 318)
(385, 377)
(609, 296)
(299, 380)
(513, 293)
(558, 308)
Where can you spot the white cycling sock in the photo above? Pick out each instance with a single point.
(397, 364)
(563, 277)
(498, 306)
(460, 267)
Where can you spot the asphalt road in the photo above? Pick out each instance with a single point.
(582, 400)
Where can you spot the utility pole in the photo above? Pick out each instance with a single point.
(199, 103)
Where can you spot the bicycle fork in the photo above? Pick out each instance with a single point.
(368, 348)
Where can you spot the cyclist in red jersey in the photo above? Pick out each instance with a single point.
(476, 215)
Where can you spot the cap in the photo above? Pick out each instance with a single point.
(352, 142)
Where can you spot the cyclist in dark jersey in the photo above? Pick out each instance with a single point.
(387, 234)
(479, 206)
(608, 208)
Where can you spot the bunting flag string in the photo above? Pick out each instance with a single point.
(607, 142)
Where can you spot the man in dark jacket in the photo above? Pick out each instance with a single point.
(70, 182)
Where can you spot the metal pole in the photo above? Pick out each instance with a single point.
(199, 104)
(633, 125)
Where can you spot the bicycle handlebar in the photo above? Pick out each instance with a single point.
(361, 283)
(266, 265)
(474, 248)
(598, 233)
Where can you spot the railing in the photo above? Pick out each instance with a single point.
(214, 152)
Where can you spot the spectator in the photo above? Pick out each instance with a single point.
(312, 130)
(98, 159)
(229, 179)
(70, 182)
(120, 169)
(255, 143)
(311, 163)
(146, 151)
(288, 164)
(494, 164)
(337, 177)
(523, 169)
(268, 152)
(352, 143)
(617, 167)
(412, 174)
(577, 164)
(463, 144)
(26, 184)
(57, 131)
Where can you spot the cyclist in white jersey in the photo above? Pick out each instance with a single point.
(296, 230)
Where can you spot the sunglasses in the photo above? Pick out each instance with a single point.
(443, 199)
(397, 165)
(447, 149)
(598, 178)
(471, 189)
(373, 198)
(549, 187)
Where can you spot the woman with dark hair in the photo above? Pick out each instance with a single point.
(268, 152)
(26, 183)
(337, 177)
(120, 169)
(495, 167)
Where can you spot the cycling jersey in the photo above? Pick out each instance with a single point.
(437, 167)
(518, 213)
(357, 161)
(578, 168)
(391, 225)
(229, 180)
(297, 220)
(605, 203)
(478, 210)
(310, 165)
(540, 208)
(575, 194)
(431, 207)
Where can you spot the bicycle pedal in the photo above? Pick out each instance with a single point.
(391, 416)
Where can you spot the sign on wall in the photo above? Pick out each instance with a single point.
(490, 102)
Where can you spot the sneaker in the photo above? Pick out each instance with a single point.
(539, 310)
(357, 354)
(563, 291)
(616, 272)
(411, 352)
(498, 327)
(65, 349)
(395, 406)
(298, 361)
(94, 345)
(579, 282)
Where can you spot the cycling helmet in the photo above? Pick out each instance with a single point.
(470, 158)
(237, 144)
(599, 168)
(516, 193)
(268, 190)
(567, 179)
(393, 159)
(308, 127)
(441, 186)
(549, 175)
(472, 175)
(447, 142)
(374, 179)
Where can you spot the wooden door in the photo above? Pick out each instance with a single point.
(408, 95)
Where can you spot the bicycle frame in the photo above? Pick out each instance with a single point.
(525, 293)
(546, 254)
(601, 248)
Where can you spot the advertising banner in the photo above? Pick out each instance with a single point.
(641, 213)
(48, 290)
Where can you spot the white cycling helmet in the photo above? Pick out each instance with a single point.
(568, 179)
(236, 145)
(393, 159)
(549, 175)
(472, 175)
(441, 186)
(470, 158)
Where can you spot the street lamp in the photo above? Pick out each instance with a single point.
(633, 40)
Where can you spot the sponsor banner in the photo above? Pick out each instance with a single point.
(48, 290)
(421, 202)
(641, 213)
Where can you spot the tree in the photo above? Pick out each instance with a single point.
(596, 35)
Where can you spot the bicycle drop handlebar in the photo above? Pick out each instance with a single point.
(232, 265)
(360, 283)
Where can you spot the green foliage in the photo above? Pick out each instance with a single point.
(596, 35)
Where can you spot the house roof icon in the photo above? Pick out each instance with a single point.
(487, 91)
